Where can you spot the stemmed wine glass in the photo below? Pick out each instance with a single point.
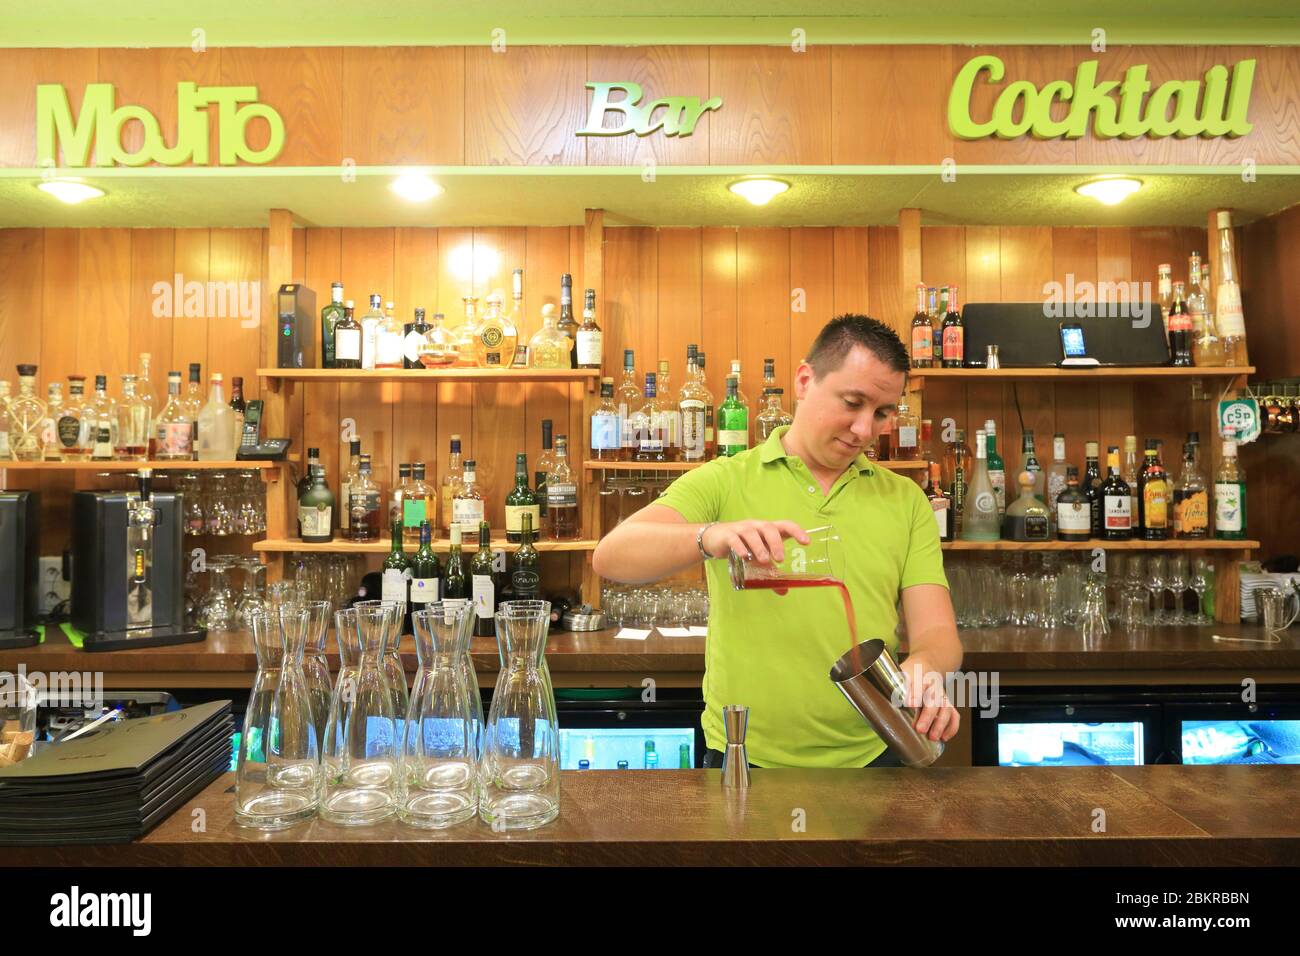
(1177, 585)
(1157, 568)
(1199, 583)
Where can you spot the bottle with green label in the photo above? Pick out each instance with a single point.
(1230, 493)
(525, 569)
(316, 509)
(997, 470)
(521, 502)
(426, 572)
(396, 574)
(733, 422)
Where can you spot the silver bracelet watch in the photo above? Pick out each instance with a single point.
(699, 540)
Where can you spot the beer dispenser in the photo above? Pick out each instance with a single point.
(128, 569)
(19, 568)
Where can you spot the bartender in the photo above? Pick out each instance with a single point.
(773, 652)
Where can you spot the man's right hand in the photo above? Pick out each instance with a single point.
(760, 541)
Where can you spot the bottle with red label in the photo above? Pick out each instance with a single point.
(1180, 329)
(1117, 503)
(953, 333)
(922, 332)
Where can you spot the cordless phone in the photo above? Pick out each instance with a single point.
(251, 445)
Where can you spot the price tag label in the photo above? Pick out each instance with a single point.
(1241, 414)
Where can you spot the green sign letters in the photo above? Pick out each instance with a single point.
(680, 113)
(1215, 106)
(98, 126)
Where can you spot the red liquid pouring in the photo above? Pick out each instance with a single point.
(781, 585)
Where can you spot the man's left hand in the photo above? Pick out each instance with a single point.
(937, 718)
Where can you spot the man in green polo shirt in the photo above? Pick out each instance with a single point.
(773, 652)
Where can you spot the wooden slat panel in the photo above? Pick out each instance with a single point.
(631, 271)
(305, 87)
(889, 106)
(1026, 265)
(774, 105)
(148, 78)
(152, 261)
(105, 305)
(189, 333)
(20, 73)
(415, 413)
(812, 270)
(234, 335)
(1074, 255)
(851, 271)
(661, 71)
(1276, 136)
(455, 280)
(764, 277)
(404, 105)
(885, 298)
(21, 313)
(60, 264)
(721, 307)
(943, 262)
(1039, 65)
(679, 305)
(522, 106)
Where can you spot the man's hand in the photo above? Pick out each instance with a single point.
(759, 541)
(937, 718)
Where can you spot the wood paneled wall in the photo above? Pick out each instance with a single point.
(471, 105)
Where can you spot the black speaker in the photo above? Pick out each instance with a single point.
(19, 567)
(296, 326)
(1028, 334)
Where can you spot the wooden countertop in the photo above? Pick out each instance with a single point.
(982, 816)
(600, 652)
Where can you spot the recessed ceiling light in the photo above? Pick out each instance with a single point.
(1109, 191)
(415, 187)
(70, 191)
(759, 191)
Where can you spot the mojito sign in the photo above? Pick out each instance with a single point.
(98, 127)
(1210, 107)
(679, 116)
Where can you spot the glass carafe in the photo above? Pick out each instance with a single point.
(520, 777)
(362, 781)
(440, 746)
(278, 769)
(391, 659)
(315, 666)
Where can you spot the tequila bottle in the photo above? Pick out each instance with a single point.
(76, 423)
(329, 319)
(497, 337)
(1026, 518)
(134, 424)
(26, 411)
(51, 450)
(548, 348)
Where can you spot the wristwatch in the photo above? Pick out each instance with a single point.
(699, 540)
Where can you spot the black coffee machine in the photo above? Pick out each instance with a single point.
(19, 567)
(128, 569)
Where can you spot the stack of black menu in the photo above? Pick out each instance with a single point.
(114, 783)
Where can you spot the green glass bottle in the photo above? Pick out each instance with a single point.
(455, 586)
(684, 757)
(483, 584)
(521, 502)
(316, 509)
(329, 318)
(426, 572)
(733, 422)
(525, 569)
(397, 575)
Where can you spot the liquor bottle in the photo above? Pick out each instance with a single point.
(922, 332)
(1180, 329)
(467, 505)
(772, 416)
(926, 453)
(414, 339)
(395, 581)
(466, 337)
(1116, 501)
(76, 424)
(426, 572)
(330, 316)
(769, 373)
(1056, 475)
(455, 586)
(646, 426)
(216, 435)
(1073, 510)
(144, 392)
(567, 326)
(5, 453)
(562, 495)
(629, 401)
(26, 412)
(51, 450)
(194, 400)
(397, 493)
(548, 348)
(957, 457)
(1191, 500)
(939, 313)
(905, 434)
(495, 344)
(1153, 496)
(306, 481)
(953, 349)
(521, 503)
(418, 505)
(316, 509)
(684, 757)
(105, 418)
(997, 470)
(606, 442)
(134, 425)
(1230, 492)
(1227, 308)
(484, 583)
(940, 503)
(742, 398)
(437, 349)
(525, 568)
(1131, 472)
(365, 511)
(237, 405)
(667, 415)
(980, 516)
(450, 484)
(370, 323)
(1026, 518)
(932, 307)
(693, 402)
(347, 339)
(710, 410)
(1207, 350)
(1029, 463)
(588, 337)
(345, 486)
(1091, 487)
(1165, 291)
(541, 469)
(733, 421)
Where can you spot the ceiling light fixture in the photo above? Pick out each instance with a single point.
(759, 191)
(1110, 191)
(70, 191)
(415, 187)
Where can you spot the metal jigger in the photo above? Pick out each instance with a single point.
(735, 762)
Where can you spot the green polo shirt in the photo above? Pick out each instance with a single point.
(774, 652)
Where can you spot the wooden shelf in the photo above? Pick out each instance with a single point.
(137, 465)
(588, 375)
(921, 375)
(1176, 544)
(440, 545)
(692, 465)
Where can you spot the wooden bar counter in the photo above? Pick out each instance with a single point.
(1157, 815)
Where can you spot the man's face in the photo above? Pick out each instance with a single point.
(842, 412)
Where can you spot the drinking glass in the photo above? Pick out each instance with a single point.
(993, 594)
(217, 611)
(1201, 581)
(1177, 586)
(1072, 577)
(220, 519)
(1019, 597)
(700, 607)
(816, 561)
(195, 520)
(1092, 622)
(1133, 612)
(1047, 597)
(1157, 573)
(252, 598)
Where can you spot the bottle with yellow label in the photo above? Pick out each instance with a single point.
(1191, 499)
(1153, 495)
(495, 336)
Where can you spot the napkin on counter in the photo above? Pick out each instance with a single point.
(631, 634)
(698, 631)
(675, 631)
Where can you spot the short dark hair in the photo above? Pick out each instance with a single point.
(840, 334)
